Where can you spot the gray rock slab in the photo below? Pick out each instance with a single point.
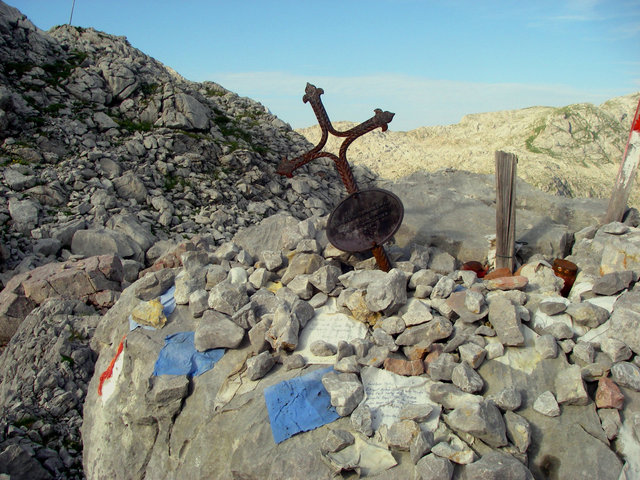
(466, 378)
(266, 236)
(626, 374)
(505, 321)
(101, 241)
(518, 431)
(437, 329)
(228, 298)
(569, 386)
(388, 294)
(345, 389)
(480, 419)
(259, 366)
(432, 467)
(216, 330)
(497, 466)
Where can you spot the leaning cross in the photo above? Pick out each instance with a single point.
(366, 219)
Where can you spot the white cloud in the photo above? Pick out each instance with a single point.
(416, 101)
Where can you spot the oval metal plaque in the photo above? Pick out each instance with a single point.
(365, 219)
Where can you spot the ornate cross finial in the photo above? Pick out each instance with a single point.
(380, 119)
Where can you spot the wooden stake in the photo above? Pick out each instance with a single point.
(505, 209)
(626, 173)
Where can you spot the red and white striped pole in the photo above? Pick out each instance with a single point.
(626, 173)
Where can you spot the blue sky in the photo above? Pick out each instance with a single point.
(429, 61)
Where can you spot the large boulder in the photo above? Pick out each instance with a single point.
(96, 280)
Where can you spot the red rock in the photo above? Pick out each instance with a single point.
(517, 282)
(416, 352)
(169, 260)
(73, 279)
(104, 299)
(404, 367)
(13, 309)
(475, 266)
(498, 273)
(608, 394)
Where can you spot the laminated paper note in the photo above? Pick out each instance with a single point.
(386, 393)
(330, 326)
(299, 405)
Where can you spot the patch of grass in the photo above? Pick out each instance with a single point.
(195, 136)
(61, 69)
(54, 108)
(132, 126)
(214, 92)
(260, 149)
(30, 101)
(148, 89)
(19, 68)
(170, 182)
(12, 159)
(75, 335)
(77, 57)
(216, 171)
(253, 115)
(532, 138)
(67, 359)
(72, 444)
(26, 421)
(38, 121)
(232, 144)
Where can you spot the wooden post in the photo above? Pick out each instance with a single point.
(626, 173)
(505, 209)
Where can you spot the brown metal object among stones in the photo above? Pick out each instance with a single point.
(567, 271)
(287, 167)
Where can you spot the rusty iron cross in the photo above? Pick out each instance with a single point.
(380, 119)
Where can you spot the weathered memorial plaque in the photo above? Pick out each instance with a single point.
(366, 219)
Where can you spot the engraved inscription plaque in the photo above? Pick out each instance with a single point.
(365, 219)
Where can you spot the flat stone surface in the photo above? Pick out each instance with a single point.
(505, 321)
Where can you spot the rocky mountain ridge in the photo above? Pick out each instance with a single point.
(574, 151)
(93, 128)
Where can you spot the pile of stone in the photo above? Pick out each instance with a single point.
(530, 384)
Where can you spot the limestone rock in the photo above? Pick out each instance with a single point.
(505, 321)
(432, 467)
(480, 419)
(345, 389)
(497, 466)
(259, 366)
(216, 330)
